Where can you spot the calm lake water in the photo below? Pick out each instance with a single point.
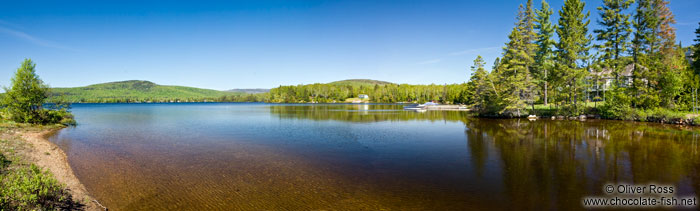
(241, 156)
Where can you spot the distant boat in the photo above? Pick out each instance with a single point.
(435, 106)
(419, 107)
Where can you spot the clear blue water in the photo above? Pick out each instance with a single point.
(195, 156)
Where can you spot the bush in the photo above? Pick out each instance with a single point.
(31, 188)
(665, 115)
(618, 107)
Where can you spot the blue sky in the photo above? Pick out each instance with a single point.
(263, 44)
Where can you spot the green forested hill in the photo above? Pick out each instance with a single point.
(359, 82)
(134, 91)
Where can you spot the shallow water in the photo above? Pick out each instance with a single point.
(243, 156)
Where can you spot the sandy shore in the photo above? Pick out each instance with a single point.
(47, 155)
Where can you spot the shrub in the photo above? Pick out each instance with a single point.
(618, 107)
(665, 115)
(31, 188)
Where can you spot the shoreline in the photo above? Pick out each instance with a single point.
(48, 155)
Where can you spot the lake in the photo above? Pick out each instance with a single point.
(243, 156)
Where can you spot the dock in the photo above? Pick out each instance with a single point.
(437, 107)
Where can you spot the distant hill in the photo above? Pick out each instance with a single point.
(359, 82)
(134, 91)
(249, 91)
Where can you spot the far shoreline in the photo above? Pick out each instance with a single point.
(689, 120)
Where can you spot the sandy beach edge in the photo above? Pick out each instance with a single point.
(48, 155)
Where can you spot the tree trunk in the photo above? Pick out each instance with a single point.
(545, 93)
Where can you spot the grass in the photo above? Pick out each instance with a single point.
(553, 106)
(649, 115)
(23, 185)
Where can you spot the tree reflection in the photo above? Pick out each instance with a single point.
(551, 164)
(554, 164)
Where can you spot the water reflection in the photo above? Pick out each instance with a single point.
(358, 156)
(553, 163)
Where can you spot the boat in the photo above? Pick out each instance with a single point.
(419, 107)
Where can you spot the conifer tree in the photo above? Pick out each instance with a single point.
(480, 84)
(545, 43)
(614, 34)
(572, 48)
(514, 69)
(696, 51)
(695, 76)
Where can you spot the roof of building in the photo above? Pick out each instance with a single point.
(607, 72)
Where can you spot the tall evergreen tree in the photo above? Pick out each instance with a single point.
(527, 22)
(645, 22)
(669, 60)
(614, 34)
(514, 70)
(695, 76)
(572, 48)
(479, 84)
(654, 54)
(665, 33)
(545, 44)
(696, 51)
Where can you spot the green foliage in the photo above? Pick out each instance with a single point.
(696, 51)
(696, 121)
(572, 51)
(614, 34)
(24, 101)
(618, 107)
(387, 93)
(27, 188)
(483, 96)
(544, 56)
(359, 82)
(512, 81)
(135, 91)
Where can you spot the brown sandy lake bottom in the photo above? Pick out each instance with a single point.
(250, 156)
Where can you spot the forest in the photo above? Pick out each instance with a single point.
(623, 66)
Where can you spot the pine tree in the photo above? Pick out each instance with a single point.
(666, 33)
(695, 77)
(572, 48)
(614, 34)
(645, 21)
(696, 51)
(545, 43)
(654, 54)
(527, 23)
(479, 84)
(514, 69)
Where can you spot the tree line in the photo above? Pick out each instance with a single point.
(631, 61)
(632, 57)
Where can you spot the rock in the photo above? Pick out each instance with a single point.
(553, 118)
(582, 117)
(560, 117)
